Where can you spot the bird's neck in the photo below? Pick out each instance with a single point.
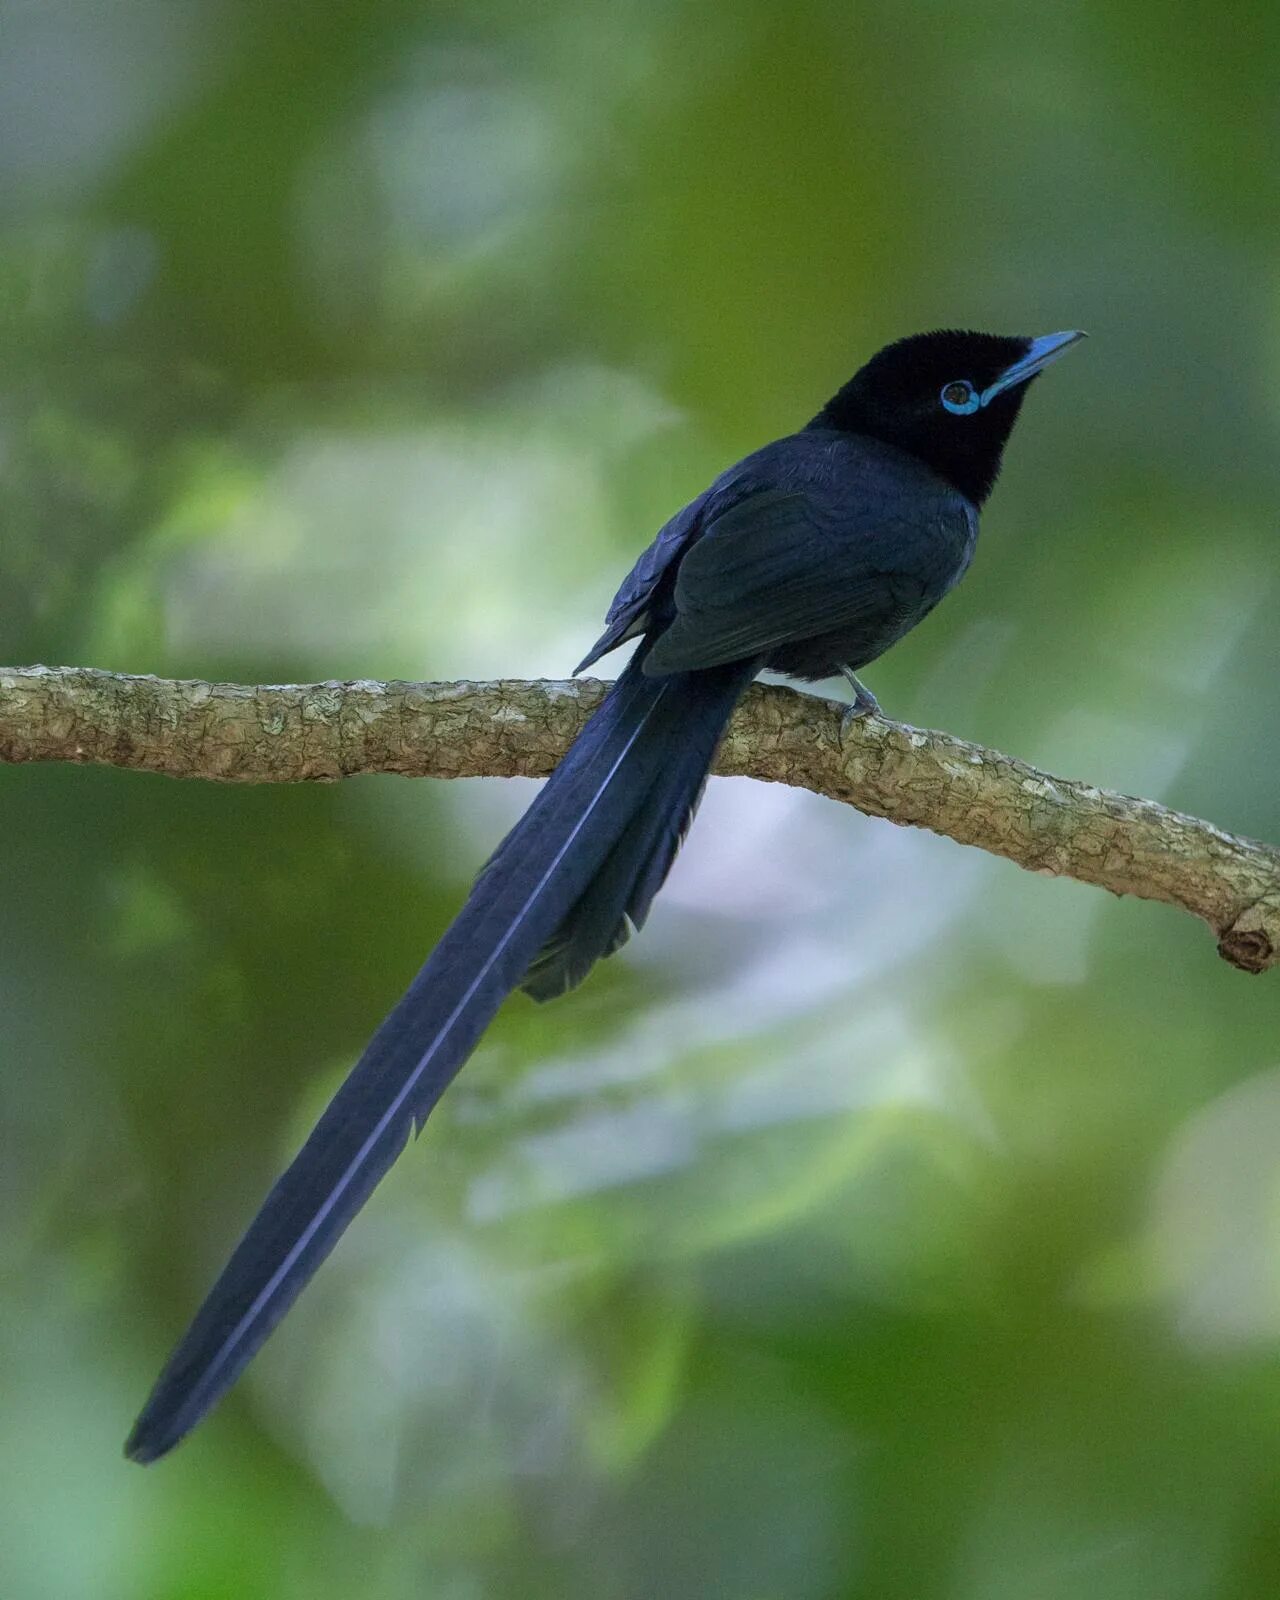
(968, 460)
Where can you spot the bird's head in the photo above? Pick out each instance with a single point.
(949, 398)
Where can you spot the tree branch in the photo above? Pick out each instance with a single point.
(318, 732)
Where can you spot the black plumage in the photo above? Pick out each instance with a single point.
(811, 556)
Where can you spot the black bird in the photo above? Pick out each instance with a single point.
(811, 557)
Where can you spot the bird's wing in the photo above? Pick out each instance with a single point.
(773, 568)
(629, 613)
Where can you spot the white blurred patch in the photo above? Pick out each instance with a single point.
(818, 899)
(459, 551)
(780, 919)
(419, 1340)
(590, 1152)
(842, 1065)
(1215, 1228)
(451, 173)
(463, 159)
(81, 83)
(425, 548)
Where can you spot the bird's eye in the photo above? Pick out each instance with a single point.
(960, 398)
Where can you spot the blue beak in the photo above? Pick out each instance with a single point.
(1043, 350)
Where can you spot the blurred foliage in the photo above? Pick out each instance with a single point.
(885, 1222)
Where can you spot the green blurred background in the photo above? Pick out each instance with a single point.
(885, 1222)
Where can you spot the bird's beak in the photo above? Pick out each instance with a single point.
(1043, 350)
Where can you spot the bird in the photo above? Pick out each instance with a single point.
(810, 557)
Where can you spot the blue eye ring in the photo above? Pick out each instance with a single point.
(960, 398)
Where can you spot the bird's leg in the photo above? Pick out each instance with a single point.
(864, 704)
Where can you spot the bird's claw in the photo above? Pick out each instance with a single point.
(853, 715)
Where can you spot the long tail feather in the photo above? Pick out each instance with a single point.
(531, 886)
(616, 901)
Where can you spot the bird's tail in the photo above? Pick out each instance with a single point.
(580, 867)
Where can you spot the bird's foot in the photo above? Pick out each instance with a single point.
(852, 717)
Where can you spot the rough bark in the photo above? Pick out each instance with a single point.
(319, 732)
